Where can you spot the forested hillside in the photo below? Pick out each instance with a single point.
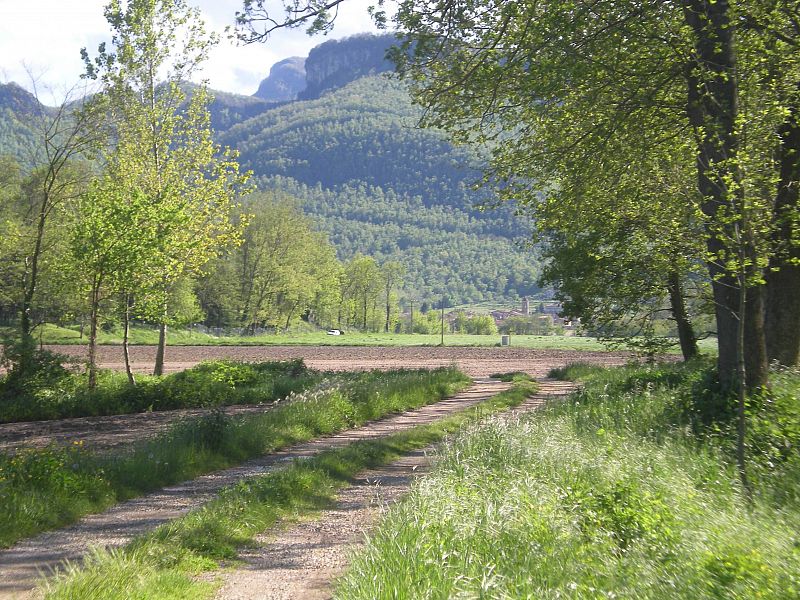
(18, 111)
(358, 166)
(380, 186)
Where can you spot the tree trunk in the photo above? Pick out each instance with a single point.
(28, 344)
(686, 335)
(782, 322)
(755, 345)
(126, 326)
(712, 108)
(93, 317)
(741, 396)
(160, 351)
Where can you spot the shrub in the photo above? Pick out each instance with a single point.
(58, 393)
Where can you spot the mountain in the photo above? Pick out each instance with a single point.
(286, 79)
(19, 112)
(228, 110)
(349, 150)
(379, 185)
(19, 100)
(336, 63)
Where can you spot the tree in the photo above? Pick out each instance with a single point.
(392, 273)
(109, 237)
(284, 267)
(546, 84)
(65, 135)
(598, 68)
(362, 284)
(162, 144)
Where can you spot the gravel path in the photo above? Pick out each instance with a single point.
(21, 565)
(302, 561)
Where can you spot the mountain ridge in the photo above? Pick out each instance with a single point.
(352, 155)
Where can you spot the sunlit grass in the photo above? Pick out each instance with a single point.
(52, 334)
(198, 542)
(42, 489)
(608, 495)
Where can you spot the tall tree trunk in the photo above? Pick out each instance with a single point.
(161, 350)
(93, 317)
(712, 108)
(686, 335)
(755, 345)
(741, 396)
(782, 311)
(126, 327)
(30, 282)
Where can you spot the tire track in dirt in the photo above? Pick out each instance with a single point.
(21, 565)
(304, 560)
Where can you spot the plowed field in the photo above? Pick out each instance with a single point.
(476, 362)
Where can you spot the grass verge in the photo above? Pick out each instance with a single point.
(53, 334)
(44, 489)
(166, 561)
(622, 492)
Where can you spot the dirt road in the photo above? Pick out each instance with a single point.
(21, 565)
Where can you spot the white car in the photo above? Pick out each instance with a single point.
(334, 332)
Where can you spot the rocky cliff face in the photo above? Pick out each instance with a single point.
(286, 79)
(18, 99)
(336, 63)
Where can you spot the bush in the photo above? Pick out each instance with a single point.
(57, 393)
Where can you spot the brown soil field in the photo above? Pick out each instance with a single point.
(474, 361)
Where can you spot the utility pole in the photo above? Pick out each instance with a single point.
(442, 321)
(412, 317)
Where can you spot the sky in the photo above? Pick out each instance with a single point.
(44, 37)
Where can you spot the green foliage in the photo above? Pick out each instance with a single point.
(392, 192)
(473, 324)
(197, 446)
(54, 393)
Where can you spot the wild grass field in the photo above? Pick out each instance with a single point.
(628, 490)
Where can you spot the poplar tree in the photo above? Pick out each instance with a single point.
(161, 146)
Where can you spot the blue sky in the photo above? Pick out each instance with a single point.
(47, 35)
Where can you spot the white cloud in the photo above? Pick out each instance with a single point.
(47, 35)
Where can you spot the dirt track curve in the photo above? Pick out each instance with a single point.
(100, 433)
(304, 560)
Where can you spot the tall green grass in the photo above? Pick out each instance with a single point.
(172, 556)
(620, 492)
(42, 489)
